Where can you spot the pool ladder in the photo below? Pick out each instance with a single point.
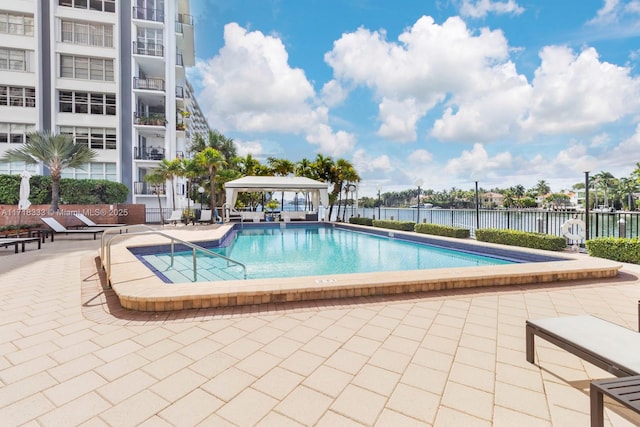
(105, 255)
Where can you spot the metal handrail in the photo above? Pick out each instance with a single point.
(173, 239)
(118, 230)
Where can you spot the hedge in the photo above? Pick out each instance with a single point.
(442, 230)
(395, 225)
(361, 221)
(72, 191)
(521, 238)
(615, 248)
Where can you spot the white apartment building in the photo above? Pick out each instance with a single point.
(111, 73)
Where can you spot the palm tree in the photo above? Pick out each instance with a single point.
(56, 152)
(170, 169)
(157, 178)
(281, 167)
(211, 160)
(606, 180)
(542, 188)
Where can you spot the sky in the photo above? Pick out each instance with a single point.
(505, 92)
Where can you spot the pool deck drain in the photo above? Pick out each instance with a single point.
(140, 289)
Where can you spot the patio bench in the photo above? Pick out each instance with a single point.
(609, 346)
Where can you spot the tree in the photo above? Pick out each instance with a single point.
(56, 152)
(170, 169)
(542, 188)
(157, 178)
(211, 160)
(605, 180)
(281, 167)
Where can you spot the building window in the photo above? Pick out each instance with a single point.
(87, 103)
(95, 138)
(15, 96)
(13, 59)
(21, 25)
(99, 5)
(14, 168)
(15, 133)
(87, 34)
(96, 170)
(81, 67)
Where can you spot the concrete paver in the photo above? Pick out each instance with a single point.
(69, 355)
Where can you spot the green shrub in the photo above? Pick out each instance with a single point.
(394, 225)
(615, 248)
(72, 191)
(442, 230)
(521, 238)
(361, 221)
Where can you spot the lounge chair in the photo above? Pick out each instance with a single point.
(89, 222)
(15, 241)
(176, 216)
(609, 346)
(252, 216)
(205, 216)
(59, 228)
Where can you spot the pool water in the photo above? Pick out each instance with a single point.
(312, 251)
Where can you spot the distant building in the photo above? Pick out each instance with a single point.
(490, 199)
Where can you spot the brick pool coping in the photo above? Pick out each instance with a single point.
(140, 289)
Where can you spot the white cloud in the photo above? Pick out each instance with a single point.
(420, 157)
(333, 93)
(481, 8)
(249, 147)
(577, 93)
(428, 62)
(364, 163)
(250, 87)
(477, 162)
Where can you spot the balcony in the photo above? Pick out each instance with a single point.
(142, 188)
(148, 14)
(148, 84)
(152, 119)
(179, 92)
(179, 60)
(148, 49)
(149, 153)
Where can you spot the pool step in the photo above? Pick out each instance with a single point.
(209, 268)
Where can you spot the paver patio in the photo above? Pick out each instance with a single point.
(70, 356)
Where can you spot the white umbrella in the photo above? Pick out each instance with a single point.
(24, 202)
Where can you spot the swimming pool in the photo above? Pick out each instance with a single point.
(137, 288)
(313, 250)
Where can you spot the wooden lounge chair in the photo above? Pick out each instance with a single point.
(59, 228)
(89, 222)
(16, 241)
(206, 216)
(609, 346)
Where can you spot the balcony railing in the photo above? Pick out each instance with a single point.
(148, 84)
(179, 60)
(179, 92)
(154, 119)
(143, 188)
(148, 48)
(149, 153)
(147, 14)
(183, 18)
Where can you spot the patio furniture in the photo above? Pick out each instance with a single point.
(252, 216)
(59, 228)
(206, 216)
(89, 222)
(625, 391)
(16, 241)
(609, 346)
(176, 216)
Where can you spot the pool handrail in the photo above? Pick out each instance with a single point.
(119, 230)
(173, 239)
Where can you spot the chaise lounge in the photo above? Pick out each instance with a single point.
(59, 228)
(89, 222)
(609, 346)
(19, 241)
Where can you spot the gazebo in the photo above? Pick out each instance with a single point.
(318, 190)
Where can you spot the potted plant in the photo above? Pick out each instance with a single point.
(188, 215)
(271, 206)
